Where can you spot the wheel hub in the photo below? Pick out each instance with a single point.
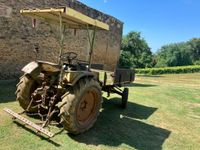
(87, 107)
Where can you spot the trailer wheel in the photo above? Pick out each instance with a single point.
(25, 87)
(80, 107)
(124, 98)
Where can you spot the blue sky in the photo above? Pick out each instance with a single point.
(160, 21)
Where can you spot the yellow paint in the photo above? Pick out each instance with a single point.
(70, 17)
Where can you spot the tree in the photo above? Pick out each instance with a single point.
(135, 52)
(195, 49)
(173, 55)
(179, 54)
(126, 61)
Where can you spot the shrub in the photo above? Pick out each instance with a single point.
(169, 70)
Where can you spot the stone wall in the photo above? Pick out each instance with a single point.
(17, 37)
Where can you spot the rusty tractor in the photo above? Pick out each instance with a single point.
(70, 90)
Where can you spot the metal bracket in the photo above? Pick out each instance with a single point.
(28, 122)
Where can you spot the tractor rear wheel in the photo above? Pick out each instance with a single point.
(25, 87)
(80, 107)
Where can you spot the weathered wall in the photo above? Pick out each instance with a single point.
(17, 37)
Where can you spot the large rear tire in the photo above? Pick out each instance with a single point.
(80, 106)
(25, 87)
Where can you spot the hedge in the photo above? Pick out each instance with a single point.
(169, 70)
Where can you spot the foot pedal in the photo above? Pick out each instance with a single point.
(28, 122)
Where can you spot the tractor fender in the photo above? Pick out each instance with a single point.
(80, 76)
(32, 69)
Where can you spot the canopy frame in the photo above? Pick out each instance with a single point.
(68, 18)
(71, 18)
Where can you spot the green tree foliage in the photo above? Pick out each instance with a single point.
(179, 54)
(173, 55)
(126, 61)
(195, 50)
(135, 52)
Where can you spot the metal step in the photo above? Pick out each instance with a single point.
(28, 122)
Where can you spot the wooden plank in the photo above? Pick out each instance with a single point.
(24, 11)
(28, 122)
(69, 15)
(51, 18)
(81, 18)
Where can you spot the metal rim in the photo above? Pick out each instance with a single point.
(88, 107)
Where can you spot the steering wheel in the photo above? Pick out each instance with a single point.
(68, 56)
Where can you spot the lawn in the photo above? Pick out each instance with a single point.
(163, 113)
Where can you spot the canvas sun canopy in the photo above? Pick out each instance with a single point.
(70, 17)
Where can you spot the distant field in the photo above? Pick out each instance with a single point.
(163, 113)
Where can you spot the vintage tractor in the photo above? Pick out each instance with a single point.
(70, 90)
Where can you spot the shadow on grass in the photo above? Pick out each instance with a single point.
(116, 126)
(40, 136)
(7, 90)
(140, 85)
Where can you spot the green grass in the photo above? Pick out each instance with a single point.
(163, 113)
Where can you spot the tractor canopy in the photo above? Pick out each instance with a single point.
(70, 18)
